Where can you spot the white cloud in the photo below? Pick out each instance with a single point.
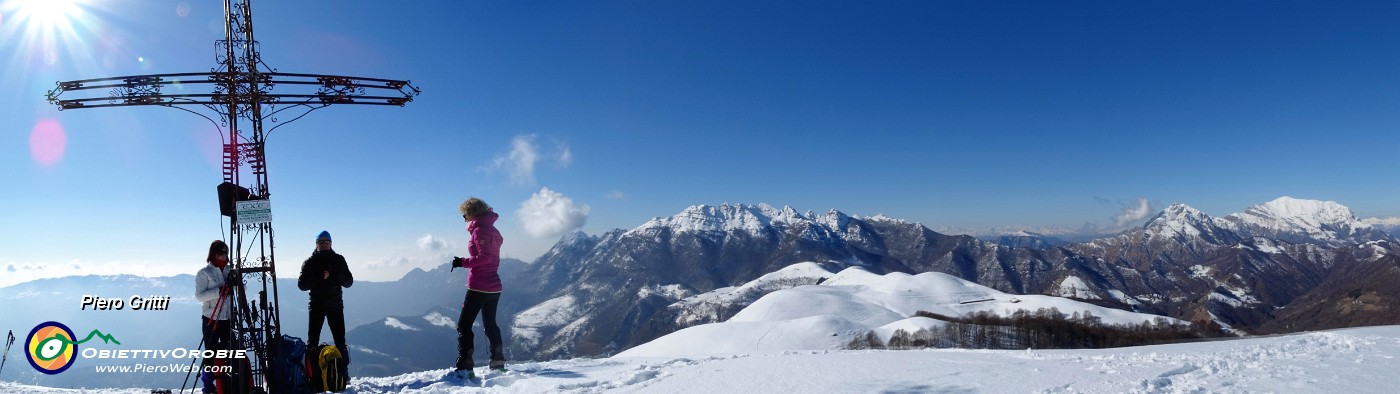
(29, 267)
(519, 163)
(427, 252)
(549, 213)
(432, 243)
(1132, 214)
(615, 195)
(566, 156)
(389, 262)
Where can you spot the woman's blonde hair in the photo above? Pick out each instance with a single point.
(473, 208)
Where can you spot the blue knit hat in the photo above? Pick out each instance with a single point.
(324, 234)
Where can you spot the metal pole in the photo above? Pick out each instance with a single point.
(9, 340)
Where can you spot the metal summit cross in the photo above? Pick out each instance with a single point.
(241, 95)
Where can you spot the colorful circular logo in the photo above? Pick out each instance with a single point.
(50, 347)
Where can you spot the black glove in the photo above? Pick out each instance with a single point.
(455, 262)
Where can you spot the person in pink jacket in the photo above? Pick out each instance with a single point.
(483, 285)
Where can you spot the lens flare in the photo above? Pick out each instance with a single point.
(47, 35)
(51, 12)
(47, 142)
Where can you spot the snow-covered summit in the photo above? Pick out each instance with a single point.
(1180, 214)
(1285, 208)
(1182, 222)
(880, 217)
(753, 219)
(724, 218)
(1286, 218)
(1299, 220)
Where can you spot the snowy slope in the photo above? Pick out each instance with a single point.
(1359, 360)
(706, 307)
(851, 303)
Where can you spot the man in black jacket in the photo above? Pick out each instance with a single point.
(323, 274)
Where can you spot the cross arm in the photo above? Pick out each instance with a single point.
(222, 88)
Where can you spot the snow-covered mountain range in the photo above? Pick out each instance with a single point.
(604, 294)
(1282, 266)
(1285, 219)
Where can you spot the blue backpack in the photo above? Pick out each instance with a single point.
(288, 370)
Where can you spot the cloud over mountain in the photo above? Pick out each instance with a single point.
(1135, 213)
(549, 213)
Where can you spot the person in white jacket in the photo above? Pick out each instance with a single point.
(214, 297)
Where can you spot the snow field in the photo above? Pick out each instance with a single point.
(849, 304)
(1351, 361)
(1357, 360)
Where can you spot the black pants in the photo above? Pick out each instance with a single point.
(484, 303)
(323, 313)
(216, 333)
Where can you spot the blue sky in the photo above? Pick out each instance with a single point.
(954, 114)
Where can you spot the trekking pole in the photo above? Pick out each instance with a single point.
(214, 323)
(9, 340)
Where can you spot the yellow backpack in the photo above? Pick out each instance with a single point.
(329, 370)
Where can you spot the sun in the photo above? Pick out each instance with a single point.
(44, 34)
(45, 14)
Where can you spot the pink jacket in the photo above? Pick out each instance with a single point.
(485, 252)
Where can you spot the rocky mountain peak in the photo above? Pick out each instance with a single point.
(1182, 222)
(726, 218)
(1179, 213)
(834, 219)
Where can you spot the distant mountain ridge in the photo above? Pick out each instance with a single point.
(599, 294)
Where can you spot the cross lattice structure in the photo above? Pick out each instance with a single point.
(243, 94)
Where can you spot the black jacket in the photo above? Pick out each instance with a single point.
(325, 292)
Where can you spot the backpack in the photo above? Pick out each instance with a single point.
(240, 380)
(328, 368)
(288, 368)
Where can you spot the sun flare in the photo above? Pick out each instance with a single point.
(46, 34)
(46, 14)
